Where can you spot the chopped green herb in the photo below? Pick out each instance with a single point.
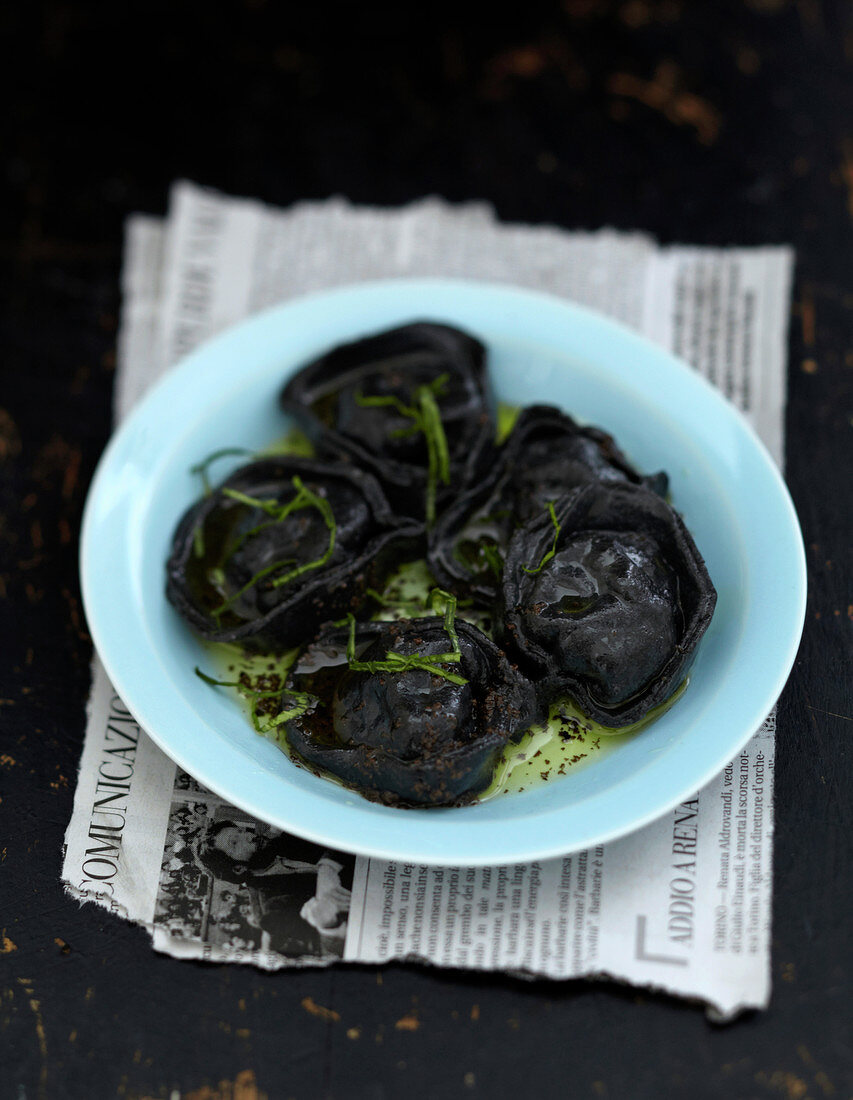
(202, 467)
(397, 603)
(272, 507)
(438, 455)
(312, 500)
(305, 498)
(382, 401)
(426, 417)
(415, 605)
(303, 701)
(396, 662)
(547, 557)
(436, 597)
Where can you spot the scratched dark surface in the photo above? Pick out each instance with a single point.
(713, 123)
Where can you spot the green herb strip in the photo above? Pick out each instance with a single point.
(426, 417)
(304, 701)
(437, 452)
(201, 469)
(553, 550)
(304, 498)
(396, 662)
(396, 604)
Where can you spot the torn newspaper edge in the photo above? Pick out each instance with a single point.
(682, 905)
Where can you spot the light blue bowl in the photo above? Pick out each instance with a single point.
(541, 350)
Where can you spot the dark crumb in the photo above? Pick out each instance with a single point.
(544, 774)
(537, 753)
(266, 682)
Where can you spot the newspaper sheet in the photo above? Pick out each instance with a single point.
(683, 905)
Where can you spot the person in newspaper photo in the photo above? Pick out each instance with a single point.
(296, 897)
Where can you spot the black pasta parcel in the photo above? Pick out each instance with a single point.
(549, 569)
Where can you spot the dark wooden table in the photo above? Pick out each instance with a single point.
(714, 123)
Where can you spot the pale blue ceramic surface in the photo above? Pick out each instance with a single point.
(541, 350)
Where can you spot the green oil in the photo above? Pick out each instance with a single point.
(567, 741)
(405, 596)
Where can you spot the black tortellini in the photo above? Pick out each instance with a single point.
(283, 545)
(352, 403)
(545, 456)
(592, 585)
(604, 598)
(412, 737)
